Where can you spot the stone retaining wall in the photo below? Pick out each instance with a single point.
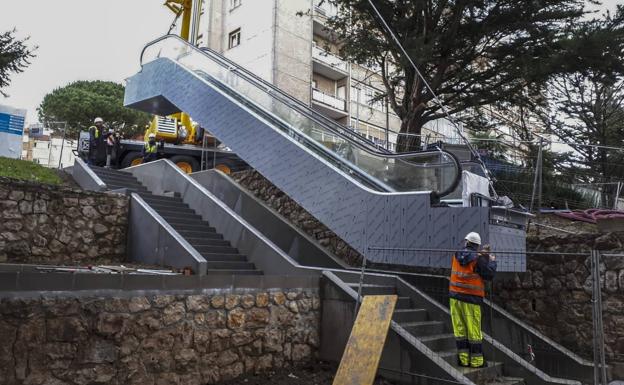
(156, 339)
(57, 225)
(554, 295)
(264, 190)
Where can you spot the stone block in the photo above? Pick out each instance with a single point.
(197, 303)
(262, 299)
(98, 352)
(65, 329)
(232, 301)
(278, 298)
(173, 313)
(247, 301)
(25, 207)
(16, 195)
(236, 318)
(138, 304)
(611, 281)
(40, 206)
(231, 371)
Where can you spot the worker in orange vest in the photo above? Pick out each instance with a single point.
(469, 270)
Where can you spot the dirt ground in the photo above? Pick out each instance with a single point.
(317, 373)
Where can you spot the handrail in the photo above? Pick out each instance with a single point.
(313, 115)
(303, 108)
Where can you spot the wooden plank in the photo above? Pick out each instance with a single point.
(363, 351)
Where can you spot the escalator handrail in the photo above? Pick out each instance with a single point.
(401, 157)
(312, 114)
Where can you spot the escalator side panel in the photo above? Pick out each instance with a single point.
(389, 222)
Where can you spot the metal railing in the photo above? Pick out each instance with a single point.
(329, 59)
(330, 100)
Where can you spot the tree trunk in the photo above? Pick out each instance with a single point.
(409, 138)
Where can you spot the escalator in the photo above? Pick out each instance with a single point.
(384, 205)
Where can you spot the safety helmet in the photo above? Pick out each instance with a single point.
(151, 135)
(474, 238)
(98, 120)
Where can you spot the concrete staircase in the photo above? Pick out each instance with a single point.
(222, 258)
(437, 335)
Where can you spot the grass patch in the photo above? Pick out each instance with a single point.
(22, 169)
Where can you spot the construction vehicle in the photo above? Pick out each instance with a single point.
(183, 141)
(191, 150)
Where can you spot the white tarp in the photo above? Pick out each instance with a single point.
(473, 183)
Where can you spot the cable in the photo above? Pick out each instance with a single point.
(175, 20)
(436, 98)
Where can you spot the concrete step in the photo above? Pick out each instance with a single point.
(118, 178)
(368, 289)
(492, 371)
(217, 250)
(424, 328)
(111, 172)
(403, 303)
(409, 315)
(112, 186)
(233, 272)
(177, 213)
(178, 208)
(207, 236)
(449, 356)
(507, 381)
(217, 257)
(173, 216)
(161, 199)
(230, 265)
(200, 226)
(174, 206)
(209, 242)
(439, 342)
(194, 234)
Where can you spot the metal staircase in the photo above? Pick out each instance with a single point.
(221, 257)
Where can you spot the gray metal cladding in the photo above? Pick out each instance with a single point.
(386, 227)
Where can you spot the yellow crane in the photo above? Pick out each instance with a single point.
(184, 131)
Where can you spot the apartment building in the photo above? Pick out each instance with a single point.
(296, 54)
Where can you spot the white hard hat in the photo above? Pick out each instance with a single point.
(151, 135)
(98, 120)
(473, 238)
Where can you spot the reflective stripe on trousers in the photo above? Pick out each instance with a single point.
(466, 320)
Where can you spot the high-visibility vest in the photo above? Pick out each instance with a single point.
(149, 149)
(464, 280)
(96, 131)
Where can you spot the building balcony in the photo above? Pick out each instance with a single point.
(329, 105)
(328, 65)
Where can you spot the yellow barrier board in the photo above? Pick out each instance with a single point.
(361, 356)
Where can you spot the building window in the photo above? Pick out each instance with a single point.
(234, 4)
(314, 83)
(234, 38)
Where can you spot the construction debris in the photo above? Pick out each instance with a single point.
(105, 269)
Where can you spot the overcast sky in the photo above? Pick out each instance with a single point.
(79, 40)
(83, 40)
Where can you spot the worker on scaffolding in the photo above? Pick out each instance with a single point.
(97, 151)
(150, 149)
(469, 269)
